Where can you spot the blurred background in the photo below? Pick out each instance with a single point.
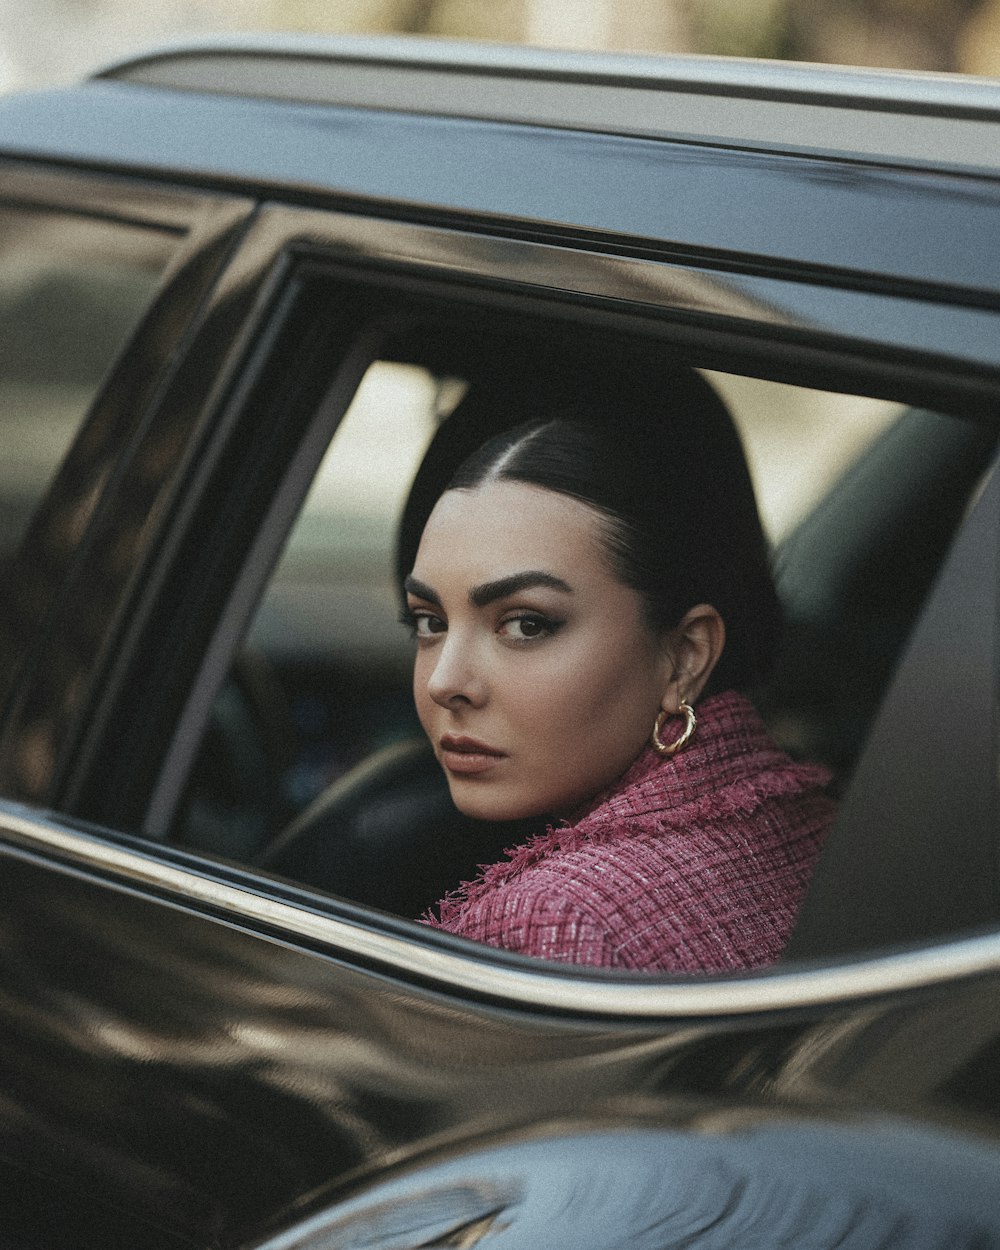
(50, 41)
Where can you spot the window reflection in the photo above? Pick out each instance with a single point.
(72, 289)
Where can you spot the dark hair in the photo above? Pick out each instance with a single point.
(661, 459)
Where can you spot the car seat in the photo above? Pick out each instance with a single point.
(914, 853)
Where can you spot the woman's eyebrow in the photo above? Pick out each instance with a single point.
(489, 592)
(414, 587)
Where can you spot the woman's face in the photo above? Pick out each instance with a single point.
(537, 678)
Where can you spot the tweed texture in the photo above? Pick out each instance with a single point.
(695, 863)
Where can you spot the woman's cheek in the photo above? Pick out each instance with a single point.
(561, 677)
(539, 691)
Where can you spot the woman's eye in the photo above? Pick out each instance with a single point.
(527, 626)
(423, 624)
(426, 625)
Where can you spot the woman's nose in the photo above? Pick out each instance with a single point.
(455, 677)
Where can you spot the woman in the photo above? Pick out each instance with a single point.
(589, 594)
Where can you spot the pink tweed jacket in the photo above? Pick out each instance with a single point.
(695, 863)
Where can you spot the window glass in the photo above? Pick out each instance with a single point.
(72, 290)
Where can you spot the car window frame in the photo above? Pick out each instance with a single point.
(510, 276)
(207, 226)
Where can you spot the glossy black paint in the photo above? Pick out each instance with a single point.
(173, 1076)
(261, 1081)
(890, 226)
(722, 1182)
(59, 547)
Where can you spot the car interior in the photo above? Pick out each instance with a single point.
(313, 766)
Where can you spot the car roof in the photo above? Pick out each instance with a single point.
(911, 117)
(797, 207)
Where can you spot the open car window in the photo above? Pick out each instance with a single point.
(313, 765)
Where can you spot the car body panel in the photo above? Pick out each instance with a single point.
(713, 201)
(218, 1057)
(227, 1096)
(918, 118)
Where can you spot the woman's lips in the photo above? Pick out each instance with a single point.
(468, 755)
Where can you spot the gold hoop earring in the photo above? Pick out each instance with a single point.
(690, 724)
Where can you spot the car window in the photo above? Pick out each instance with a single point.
(72, 289)
(799, 441)
(314, 737)
(326, 636)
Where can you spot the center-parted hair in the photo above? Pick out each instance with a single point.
(660, 459)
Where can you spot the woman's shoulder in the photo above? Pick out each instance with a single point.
(699, 899)
(541, 911)
(671, 908)
(685, 865)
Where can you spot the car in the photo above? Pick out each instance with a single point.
(243, 283)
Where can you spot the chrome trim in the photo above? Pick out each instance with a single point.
(946, 120)
(846, 85)
(581, 994)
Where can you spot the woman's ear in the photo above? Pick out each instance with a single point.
(693, 648)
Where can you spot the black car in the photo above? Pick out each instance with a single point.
(242, 285)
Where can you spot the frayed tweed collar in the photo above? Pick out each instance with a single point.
(730, 768)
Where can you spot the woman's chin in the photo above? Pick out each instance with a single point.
(485, 802)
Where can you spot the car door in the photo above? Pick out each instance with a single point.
(103, 282)
(231, 1055)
